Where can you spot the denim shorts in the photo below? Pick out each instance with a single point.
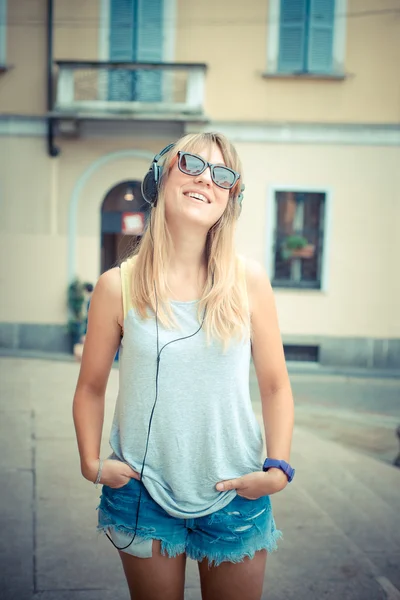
(230, 534)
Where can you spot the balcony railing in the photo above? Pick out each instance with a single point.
(128, 89)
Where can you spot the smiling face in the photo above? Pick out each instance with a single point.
(195, 199)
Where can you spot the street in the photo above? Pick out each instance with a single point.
(362, 413)
(340, 518)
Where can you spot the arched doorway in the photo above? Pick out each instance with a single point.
(123, 217)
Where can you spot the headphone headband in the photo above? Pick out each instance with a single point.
(163, 151)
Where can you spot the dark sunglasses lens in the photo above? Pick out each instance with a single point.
(190, 164)
(224, 177)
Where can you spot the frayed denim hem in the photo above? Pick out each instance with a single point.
(170, 549)
(216, 558)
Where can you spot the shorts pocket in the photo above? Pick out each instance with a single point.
(243, 507)
(123, 487)
(126, 495)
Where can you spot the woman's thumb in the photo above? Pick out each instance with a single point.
(132, 473)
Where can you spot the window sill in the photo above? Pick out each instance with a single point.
(312, 76)
(287, 286)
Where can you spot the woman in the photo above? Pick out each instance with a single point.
(186, 476)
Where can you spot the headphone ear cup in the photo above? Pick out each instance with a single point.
(150, 187)
(240, 196)
(152, 178)
(157, 174)
(150, 184)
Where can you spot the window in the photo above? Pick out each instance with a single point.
(306, 36)
(298, 239)
(136, 34)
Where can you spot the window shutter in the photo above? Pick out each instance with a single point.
(122, 48)
(292, 36)
(136, 34)
(320, 48)
(121, 30)
(150, 49)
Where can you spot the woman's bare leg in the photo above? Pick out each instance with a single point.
(156, 577)
(233, 581)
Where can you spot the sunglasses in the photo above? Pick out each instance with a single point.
(192, 164)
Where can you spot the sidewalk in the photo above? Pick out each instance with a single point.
(340, 517)
(293, 366)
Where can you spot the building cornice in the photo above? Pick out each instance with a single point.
(25, 126)
(363, 134)
(309, 133)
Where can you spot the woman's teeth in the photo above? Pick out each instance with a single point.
(197, 196)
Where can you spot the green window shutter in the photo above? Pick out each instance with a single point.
(136, 34)
(320, 46)
(121, 84)
(292, 36)
(150, 33)
(122, 32)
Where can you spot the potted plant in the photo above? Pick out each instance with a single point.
(76, 320)
(296, 246)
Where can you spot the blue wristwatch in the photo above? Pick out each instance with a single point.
(279, 464)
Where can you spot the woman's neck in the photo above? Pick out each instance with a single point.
(187, 270)
(188, 252)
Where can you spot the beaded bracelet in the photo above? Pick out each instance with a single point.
(96, 483)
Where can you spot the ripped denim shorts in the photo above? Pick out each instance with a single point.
(232, 533)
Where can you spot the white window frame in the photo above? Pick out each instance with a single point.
(339, 38)
(104, 37)
(271, 227)
(3, 32)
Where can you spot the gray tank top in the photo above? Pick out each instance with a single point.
(204, 429)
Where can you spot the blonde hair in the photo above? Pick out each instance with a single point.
(224, 299)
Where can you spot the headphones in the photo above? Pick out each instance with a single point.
(151, 181)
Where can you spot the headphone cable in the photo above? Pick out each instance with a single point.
(153, 409)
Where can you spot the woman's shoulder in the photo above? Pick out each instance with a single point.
(108, 285)
(106, 300)
(256, 276)
(254, 270)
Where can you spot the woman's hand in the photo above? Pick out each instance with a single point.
(255, 485)
(114, 474)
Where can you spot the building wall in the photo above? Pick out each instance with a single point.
(235, 86)
(237, 90)
(354, 317)
(34, 226)
(77, 29)
(359, 299)
(23, 86)
(76, 37)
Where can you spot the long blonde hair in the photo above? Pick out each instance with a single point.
(223, 300)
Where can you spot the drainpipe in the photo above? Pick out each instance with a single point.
(51, 148)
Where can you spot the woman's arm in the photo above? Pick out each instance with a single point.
(270, 366)
(103, 336)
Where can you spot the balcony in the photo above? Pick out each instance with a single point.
(128, 90)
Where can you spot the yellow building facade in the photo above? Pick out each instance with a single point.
(308, 91)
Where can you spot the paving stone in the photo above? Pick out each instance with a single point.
(16, 439)
(17, 539)
(192, 579)
(74, 594)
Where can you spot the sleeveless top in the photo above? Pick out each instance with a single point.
(204, 429)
